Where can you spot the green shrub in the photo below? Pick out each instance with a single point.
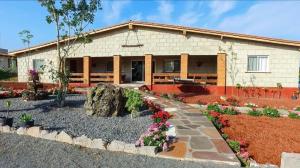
(164, 95)
(271, 112)
(229, 111)
(25, 118)
(254, 112)
(134, 100)
(294, 115)
(234, 145)
(214, 107)
(225, 136)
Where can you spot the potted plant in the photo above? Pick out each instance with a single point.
(6, 120)
(26, 120)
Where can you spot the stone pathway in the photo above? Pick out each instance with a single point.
(197, 138)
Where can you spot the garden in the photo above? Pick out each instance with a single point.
(259, 135)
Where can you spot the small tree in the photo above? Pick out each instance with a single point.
(26, 37)
(70, 18)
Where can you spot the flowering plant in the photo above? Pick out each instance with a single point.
(161, 117)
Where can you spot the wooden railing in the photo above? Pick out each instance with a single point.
(102, 77)
(76, 77)
(201, 78)
(164, 77)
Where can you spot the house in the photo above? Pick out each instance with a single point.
(6, 60)
(156, 54)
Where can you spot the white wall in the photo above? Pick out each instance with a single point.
(284, 61)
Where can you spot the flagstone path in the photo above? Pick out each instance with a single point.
(197, 138)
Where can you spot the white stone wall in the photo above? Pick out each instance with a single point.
(283, 61)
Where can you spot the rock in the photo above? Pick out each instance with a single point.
(34, 131)
(130, 148)
(116, 146)
(82, 141)
(105, 100)
(97, 144)
(148, 150)
(21, 131)
(50, 136)
(64, 137)
(6, 129)
(43, 133)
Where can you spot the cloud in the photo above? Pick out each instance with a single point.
(275, 19)
(189, 18)
(112, 10)
(218, 8)
(165, 10)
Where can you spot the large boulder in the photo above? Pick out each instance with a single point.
(105, 100)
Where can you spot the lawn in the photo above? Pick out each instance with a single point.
(266, 137)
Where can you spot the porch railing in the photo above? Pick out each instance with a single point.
(164, 77)
(102, 77)
(76, 77)
(203, 78)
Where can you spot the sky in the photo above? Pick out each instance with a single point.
(270, 18)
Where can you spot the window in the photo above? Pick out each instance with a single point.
(109, 66)
(257, 63)
(37, 64)
(172, 66)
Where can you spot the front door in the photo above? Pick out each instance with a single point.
(137, 70)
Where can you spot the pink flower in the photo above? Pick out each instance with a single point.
(245, 155)
(165, 146)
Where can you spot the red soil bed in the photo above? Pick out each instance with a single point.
(288, 104)
(267, 137)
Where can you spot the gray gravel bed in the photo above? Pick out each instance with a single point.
(27, 152)
(73, 120)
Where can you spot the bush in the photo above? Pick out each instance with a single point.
(234, 145)
(271, 112)
(297, 109)
(214, 107)
(229, 111)
(25, 118)
(232, 101)
(164, 95)
(254, 112)
(134, 100)
(294, 115)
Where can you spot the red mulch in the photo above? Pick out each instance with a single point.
(288, 104)
(267, 137)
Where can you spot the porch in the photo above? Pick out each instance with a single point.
(149, 69)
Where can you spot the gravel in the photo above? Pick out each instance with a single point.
(27, 152)
(73, 120)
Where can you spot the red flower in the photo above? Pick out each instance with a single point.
(161, 116)
(214, 114)
(223, 121)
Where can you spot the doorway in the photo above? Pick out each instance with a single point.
(137, 70)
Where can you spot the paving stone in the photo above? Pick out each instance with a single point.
(183, 138)
(177, 149)
(203, 123)
(187, 132)
(198, 118)
(210, 156)
(172, 109)
(182, 127)
(186, 121)
(175, 122)
(221, 146)
(211, 132)
(200, 143)
(193, 110)
(194, 114)
(192, 126)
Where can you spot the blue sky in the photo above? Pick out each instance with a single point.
(279, 19)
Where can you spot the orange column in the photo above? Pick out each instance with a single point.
(221, 69)
(148, 69)
(184, 65)
(117, 69)
(86, 69)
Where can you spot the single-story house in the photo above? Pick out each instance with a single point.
(156, 54)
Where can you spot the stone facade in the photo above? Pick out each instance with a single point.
(283, 60)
